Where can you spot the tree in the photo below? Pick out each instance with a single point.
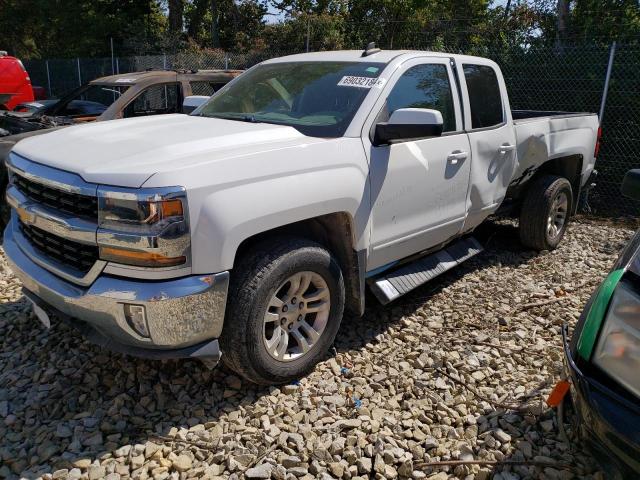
(78, 28)
(606, 20)
(176, 16)
(562, 15)
(85, 27)
(225, 23)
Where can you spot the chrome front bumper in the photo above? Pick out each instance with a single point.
(184, 315)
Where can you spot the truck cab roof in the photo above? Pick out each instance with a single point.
(157, 76)
(381, 56)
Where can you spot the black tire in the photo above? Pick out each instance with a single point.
(536, 209)
(253, 283)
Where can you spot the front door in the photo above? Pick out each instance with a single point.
(418, 188)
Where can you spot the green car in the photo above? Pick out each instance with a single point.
(603, 361)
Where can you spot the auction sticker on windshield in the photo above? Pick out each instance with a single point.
(360, 82)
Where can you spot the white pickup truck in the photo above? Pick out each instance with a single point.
(244, 230)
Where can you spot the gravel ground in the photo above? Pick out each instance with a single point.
(458, 370)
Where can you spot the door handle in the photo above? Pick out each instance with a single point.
(456, 155)
(506, 147)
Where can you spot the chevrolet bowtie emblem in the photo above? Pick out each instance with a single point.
(25, 215)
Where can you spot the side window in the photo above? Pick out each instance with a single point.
(205, 88)
(202, 88)
(425, 86)
(155, 100)
(484, 96)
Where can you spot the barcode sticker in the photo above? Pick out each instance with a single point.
(360, 82)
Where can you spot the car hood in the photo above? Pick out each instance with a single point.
(17, 122)
(127, 152)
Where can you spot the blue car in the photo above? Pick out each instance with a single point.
(603, 361)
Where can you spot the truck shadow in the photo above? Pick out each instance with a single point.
(63, 399)
(502, 248)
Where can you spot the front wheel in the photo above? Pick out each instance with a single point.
(545, 212)
(286, 301)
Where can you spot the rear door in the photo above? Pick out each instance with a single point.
(491, 135)
(419, 187)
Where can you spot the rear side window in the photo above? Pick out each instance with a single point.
(205, 88)
(155, 100)
(484, 96)
(425, 86)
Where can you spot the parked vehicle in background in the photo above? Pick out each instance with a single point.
(245, 229)
(32, 107)
(15, 84)
(127, 95)
(39, 93)
(603, 361)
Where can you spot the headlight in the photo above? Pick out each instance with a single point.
(618, 348)
(143, 227)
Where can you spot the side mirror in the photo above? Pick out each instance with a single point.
(192, 102)
(408, 124)
(631, 184)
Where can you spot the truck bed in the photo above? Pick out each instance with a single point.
(521, 116)
(545, 135)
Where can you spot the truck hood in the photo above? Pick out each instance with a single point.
(127, 152)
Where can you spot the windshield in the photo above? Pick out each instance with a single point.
(89, 100)
(318, 99)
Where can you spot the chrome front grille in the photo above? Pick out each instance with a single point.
(76, 255)
(56, 223)
(55, 219)
(82, 206)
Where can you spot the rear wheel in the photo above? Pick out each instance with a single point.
(286, 301)
(545, 212)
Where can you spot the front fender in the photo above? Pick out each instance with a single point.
(230, 216)
(234, 194)
(233, 199)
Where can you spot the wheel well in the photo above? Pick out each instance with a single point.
(569, 167)
(334, 232)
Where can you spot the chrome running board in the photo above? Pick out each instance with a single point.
(391, 285)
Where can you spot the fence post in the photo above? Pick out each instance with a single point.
(118, 65)
(79, 76)
(46, 63)
(113, 67)
(164, 61)
(605, 92)
(226, 60)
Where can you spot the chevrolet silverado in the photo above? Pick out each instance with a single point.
(244, 230)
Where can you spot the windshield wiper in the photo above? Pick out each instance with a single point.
(235, 116)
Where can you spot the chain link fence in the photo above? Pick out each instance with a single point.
(538, 78)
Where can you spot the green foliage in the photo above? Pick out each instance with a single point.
(605, 19)
(62, 28)
(59, 28)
